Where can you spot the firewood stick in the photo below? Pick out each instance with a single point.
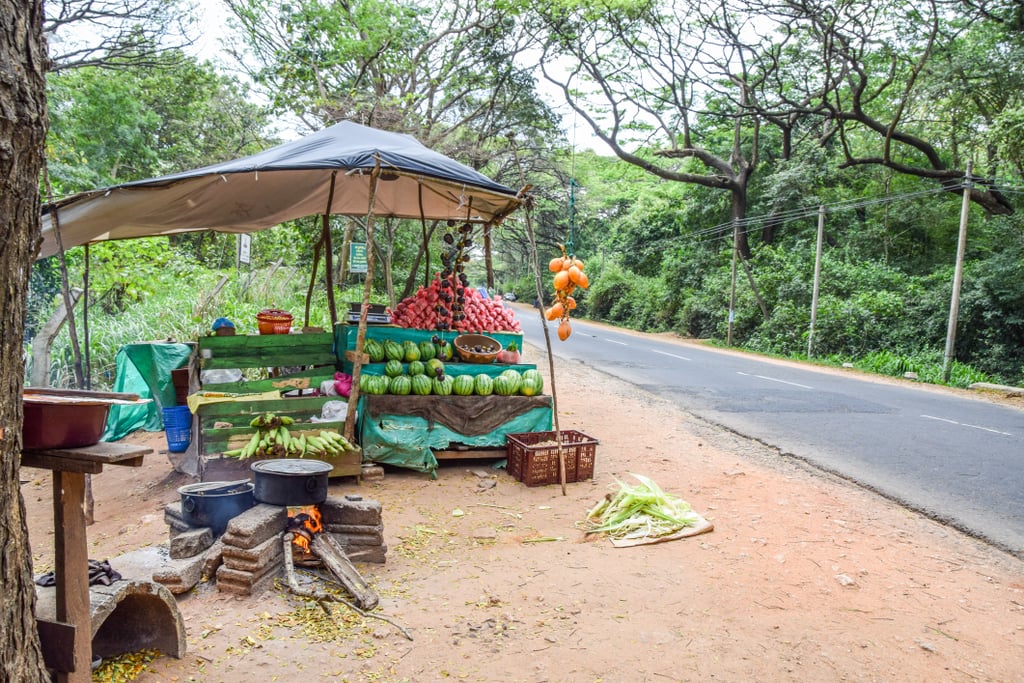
(293, 584)
(327, 548)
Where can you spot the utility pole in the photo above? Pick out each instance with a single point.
(958, 276)
(732, 291)
(817, 280)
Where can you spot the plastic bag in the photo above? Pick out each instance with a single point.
(332, 411)
(343, 384)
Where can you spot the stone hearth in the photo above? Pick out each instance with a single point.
(249, 556)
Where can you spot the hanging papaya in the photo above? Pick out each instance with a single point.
(564, 329)
(561, 280)
(555, 264)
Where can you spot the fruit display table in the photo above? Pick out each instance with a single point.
(415, 431)
(71, 632)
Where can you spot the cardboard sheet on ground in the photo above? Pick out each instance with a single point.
(702, 526)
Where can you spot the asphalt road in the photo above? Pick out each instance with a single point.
(957, 459)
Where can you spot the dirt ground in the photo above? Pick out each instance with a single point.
(805, 577)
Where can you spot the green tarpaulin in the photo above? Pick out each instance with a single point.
(145, 369)
(408, 440)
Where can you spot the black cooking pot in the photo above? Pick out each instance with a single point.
(290, 481)
(215, 503)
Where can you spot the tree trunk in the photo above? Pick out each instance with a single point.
(739, 212)
(22, 134)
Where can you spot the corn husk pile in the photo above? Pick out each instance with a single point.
(641, 513)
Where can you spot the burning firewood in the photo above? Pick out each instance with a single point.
(321, 598)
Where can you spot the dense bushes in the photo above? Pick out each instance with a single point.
(869, 312)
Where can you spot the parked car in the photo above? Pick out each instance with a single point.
(509, 296)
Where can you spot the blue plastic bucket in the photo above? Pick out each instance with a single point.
(178, 427)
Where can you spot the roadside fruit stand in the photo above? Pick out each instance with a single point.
(422, 399)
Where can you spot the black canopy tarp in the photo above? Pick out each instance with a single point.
(283, 183)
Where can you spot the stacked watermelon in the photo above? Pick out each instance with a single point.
(420, 311)
(426, 379)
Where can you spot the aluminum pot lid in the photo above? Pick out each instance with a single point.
(292, 467)
(216, 488)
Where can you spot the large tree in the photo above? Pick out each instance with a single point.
(660, 90)
(22, 134)
(115, 34)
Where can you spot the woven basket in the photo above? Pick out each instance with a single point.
(273, 321)
(466, 345)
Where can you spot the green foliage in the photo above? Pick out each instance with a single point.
(926, 365)
(112, 126)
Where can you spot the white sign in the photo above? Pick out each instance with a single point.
(244, 248)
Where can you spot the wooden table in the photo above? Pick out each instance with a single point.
(71, 554)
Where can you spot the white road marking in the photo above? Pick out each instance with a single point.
(613, 341)
(666, 353)
(964, 424)
(772, 379)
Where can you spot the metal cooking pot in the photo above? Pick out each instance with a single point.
(288, 481)
(215, 503)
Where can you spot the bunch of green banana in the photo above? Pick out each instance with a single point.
(272, 437)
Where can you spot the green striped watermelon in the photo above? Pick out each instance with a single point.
(421, 385)
(443, 385)
(374, 350)
(483, 385)
(393, 350)
(427, 350)
(531, 385)
(417, 367)
(503, 386)
(514, 378)
(435, 367)
(376, 384)
(411, 351)
(393, 368)
(401, 385)
(463, 385)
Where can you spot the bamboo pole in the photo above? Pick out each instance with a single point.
(543, 321)
(357, 358)
(329, 255)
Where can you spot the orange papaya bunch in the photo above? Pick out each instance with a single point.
(568, 275)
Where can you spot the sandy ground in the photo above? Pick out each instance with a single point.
(805, 577)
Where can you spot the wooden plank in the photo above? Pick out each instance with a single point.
(260, 359)
(57, 641)
(306, 379)
(473, 453)
(349, 464)
(305, 406)
(220, 440)
(44, 461)
(105, 453)
(71, 567)
(274, 350)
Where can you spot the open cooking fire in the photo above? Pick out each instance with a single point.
(304, 522)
